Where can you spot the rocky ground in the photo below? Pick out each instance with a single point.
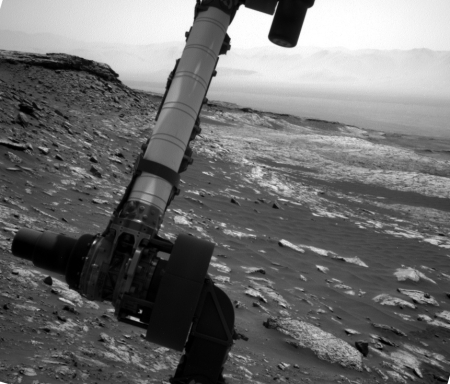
(333, 241)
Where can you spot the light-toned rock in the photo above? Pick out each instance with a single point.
(319, 251)
(285, 243)
(268, 291)
(254, 293)
(433, 322)
(444, 315)
(353, 260)
(322, 269)
(239, 235)
(403, 274)
(385, 299)
(325, 345)
(222, 268)
(181, 220)
(419, 297)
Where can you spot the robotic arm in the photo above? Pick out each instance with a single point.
(174, 299)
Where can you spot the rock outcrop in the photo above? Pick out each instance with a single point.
(60, 61)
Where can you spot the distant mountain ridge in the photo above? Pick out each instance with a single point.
(417, 71)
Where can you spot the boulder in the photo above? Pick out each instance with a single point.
(325, 345)
(96, 171)
(363, 347)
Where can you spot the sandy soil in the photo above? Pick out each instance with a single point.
(362, 214)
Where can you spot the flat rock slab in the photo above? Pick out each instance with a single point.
(285, 243)
(325, 345)
(444, 315)
(389, 328)
(403, 274)
(385, 299)
(419, 297)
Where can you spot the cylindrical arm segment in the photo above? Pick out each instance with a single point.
(182, 105)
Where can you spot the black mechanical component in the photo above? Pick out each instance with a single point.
(179, 305)
(288, 21)
(51, 251)
(210, 339)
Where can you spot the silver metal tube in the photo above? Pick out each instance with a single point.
(183, 102)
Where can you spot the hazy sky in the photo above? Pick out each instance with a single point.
(379, 24)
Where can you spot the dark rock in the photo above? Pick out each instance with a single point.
(58, 157)
(250, 270)
(389, 328)
(27, 108)
(10, 144)
(271, 323)
(239, 336)
(363, 347)
(276, 205)
(96, 171)
(99, 201)
(448, 294)
(93, 159)
(48, 280)
(234, 201)
(283, 366)
(70, 308)
(6, 306)
(440, 378)
(239, 304)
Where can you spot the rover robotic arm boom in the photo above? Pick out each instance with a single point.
(174, 300)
